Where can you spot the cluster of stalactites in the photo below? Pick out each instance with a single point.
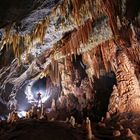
(103, 57)
(54, 72)
(104, 53)
(76, 11)
(72, 44)
(109, 7)
(13, 40)
(56, 68)
(21, 43)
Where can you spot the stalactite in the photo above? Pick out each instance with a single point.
(110, 10)
(54, 72)
(69, 8)
(40, 30)
(51, 72)
(112, 50)
(86, 58)
(69, 64)
(74, 42)
(7, 34)
(76, 38)
(70, 48)
(104, 51)
(74, 10)
(96, 67)
(16, 46)
(63, 7)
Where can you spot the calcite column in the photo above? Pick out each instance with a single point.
(126, 95)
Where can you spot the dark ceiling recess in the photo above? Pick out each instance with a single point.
(15, 10)
(132, 8)
(80, 67)
(6, 56)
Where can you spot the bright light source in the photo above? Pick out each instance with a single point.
(32, 96)
(2, 118)
(44, 99)
(21, 114)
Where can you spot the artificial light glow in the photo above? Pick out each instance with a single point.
(21, 114)
(2, 118)
(44, 99)
(32, 96)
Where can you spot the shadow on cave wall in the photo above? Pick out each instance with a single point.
(103, 89)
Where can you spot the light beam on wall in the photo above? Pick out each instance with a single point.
(32, 95)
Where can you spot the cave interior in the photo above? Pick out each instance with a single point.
(70, 68)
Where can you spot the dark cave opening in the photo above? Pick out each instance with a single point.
(80, 67)
(103, 89)
(132, 9)
(6, 55)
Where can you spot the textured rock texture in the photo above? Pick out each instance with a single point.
(125, 97)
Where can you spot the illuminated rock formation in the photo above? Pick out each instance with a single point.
(125, 97)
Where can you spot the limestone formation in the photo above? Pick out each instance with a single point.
(125, 97)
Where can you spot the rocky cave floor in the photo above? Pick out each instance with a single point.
(60, 130)
(40, 130)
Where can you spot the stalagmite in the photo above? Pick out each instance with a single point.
(108, 115)
(42, 112)
(72, 121)
(27, 116)
(67, 120)
(127, 87)
(53, 106)
(12, 117)
(102, 124)
(130, 135)
(116, 133)
(89, 129)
